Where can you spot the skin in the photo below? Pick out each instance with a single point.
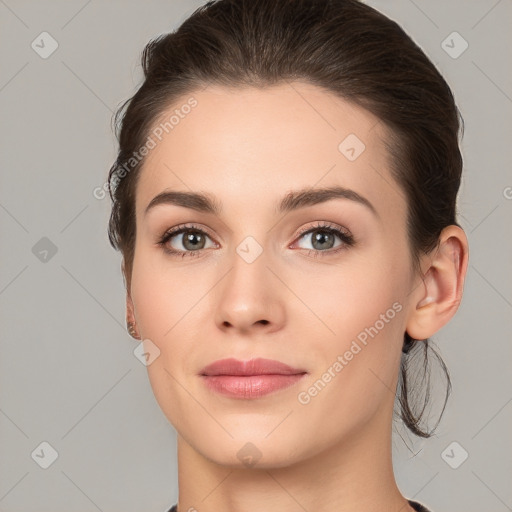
(249, 147)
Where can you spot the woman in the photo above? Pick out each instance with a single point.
(284, 199)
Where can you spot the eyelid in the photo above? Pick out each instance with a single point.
(163, 240)
(199, 227)
(188, 226)
(324, 225)
(341, 232)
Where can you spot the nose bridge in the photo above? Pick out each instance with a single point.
(249, 273)
(248, 294)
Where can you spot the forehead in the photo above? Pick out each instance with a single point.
(246, 144)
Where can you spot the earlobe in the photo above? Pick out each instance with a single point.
(130, 313)
(440, 294)
(131, 323)
(123, 273)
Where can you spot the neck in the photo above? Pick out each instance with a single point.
(354, 475)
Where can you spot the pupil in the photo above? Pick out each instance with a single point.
(321, 237)
(194, 239)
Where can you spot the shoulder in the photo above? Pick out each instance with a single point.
(414, 504)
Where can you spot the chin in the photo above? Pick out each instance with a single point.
(249, 448)
(252, 455)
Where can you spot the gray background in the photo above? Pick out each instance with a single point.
(68, 375)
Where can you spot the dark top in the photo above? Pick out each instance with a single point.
(414, 504)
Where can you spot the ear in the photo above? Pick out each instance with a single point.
(438, 297)
(130, 314)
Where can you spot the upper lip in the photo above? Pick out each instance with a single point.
(257, 366)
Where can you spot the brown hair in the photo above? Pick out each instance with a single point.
(342, 46)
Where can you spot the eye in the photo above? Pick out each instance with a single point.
(186, 240)
(191, 240)
(323, 238)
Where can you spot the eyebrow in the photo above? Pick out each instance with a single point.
(293, 200)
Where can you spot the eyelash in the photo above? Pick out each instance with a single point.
(343, 234)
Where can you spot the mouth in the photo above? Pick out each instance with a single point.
(249, 379)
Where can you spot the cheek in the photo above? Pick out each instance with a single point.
(356, 365)
(163, 298)
(352, 296)
(363, 306)
(164, 309)
(347, 296)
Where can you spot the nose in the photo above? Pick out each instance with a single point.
(250, 298)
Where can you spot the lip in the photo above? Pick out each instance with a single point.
(249, 379)
(258, 366)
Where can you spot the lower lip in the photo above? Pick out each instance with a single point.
(250, 386)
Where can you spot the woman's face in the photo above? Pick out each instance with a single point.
(263, 277)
